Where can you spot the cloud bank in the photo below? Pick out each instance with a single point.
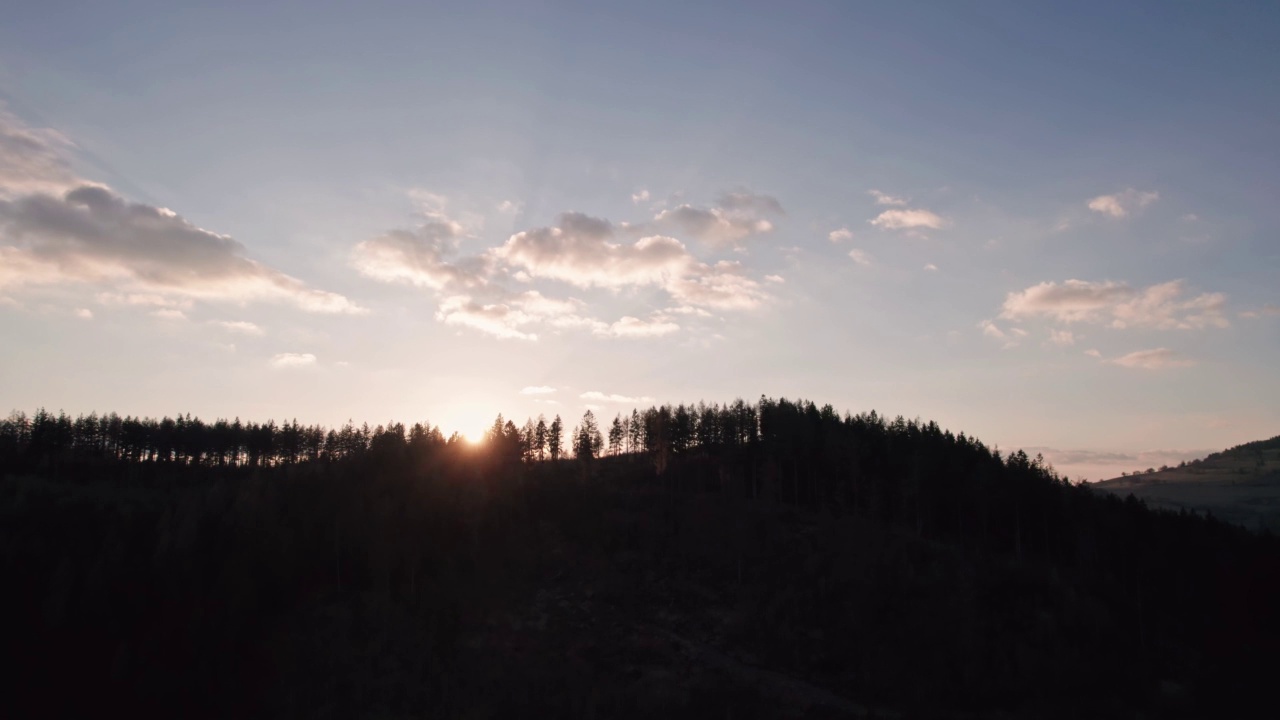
(59, 230)
(90, 235)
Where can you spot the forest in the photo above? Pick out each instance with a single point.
(774, 558)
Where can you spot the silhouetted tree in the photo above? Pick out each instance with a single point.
(616, 434)
(555, 434)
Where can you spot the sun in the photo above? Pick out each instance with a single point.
(471, 421)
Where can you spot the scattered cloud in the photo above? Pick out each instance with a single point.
(1061, 338)
(1117, 304)
(631, 327)
(1008, 338)
(722, 286)
(885, 199)
(292, 360)
(242, 327)
(537, 390)
(713, 225)
(420, 257)
(861, 257)
(841, 235)
(931, 267)
(596, 396)
(1154, 359)
(510, 207)
(1093, 353)
(1190, 217)
(776, 279)
(496, 319)
(84, 313)
(581, 251)
(640, 197)
(506, 319)
(1122, 203)
(908, 219)
(733, 218)
(169, 314)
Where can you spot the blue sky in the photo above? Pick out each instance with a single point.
(1052, 226)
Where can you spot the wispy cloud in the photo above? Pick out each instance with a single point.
(510, 318)
(640, 197)
(733, 218)
(1061, 338)
(293, 360)
(1264, 311)
(32, 160)
(1123, 203)
(908, 219)
(241, 327)
(1113, 462)
(537, 390)
(597, 396)
(841, 235)
(886, 199)
(1159, 306)
(1009, 338)
(1153, 359)
(860, 257)
(632, 327)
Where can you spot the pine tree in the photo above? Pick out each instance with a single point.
(540, 438)
(615, 435)
(554, 436)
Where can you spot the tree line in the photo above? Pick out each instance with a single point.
(145, 548)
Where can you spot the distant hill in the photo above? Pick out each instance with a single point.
(1240, 485)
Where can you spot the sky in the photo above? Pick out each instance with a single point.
(1050, 226)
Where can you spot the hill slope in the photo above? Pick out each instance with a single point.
(1240, 485)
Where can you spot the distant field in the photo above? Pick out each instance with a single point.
(1240, 485)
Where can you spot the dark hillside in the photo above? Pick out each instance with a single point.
(748, 560)
(1240, 485)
